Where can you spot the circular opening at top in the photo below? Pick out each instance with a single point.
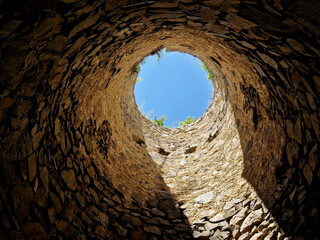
(172, 88)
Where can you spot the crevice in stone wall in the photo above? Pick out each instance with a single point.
(78, 160)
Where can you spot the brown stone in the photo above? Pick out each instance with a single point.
(44, 176)
(70, 210)
(22, 196)
(297, 130)
(10, 175)
(92, 172)
(36, 139)
(69, 178)
(64, 227)
(208, 14)
(316, 81)
(5, 103)
(9, 28)
(52, 215)
(69, 1)
(292, 151)
(32, 167)
(97, 215)
(109, 5)
(135, 221)
(122, 231)
(152, 229)
(101, 231)
(56, 202)
(139, 235)
(308, 173)
(314, 157)
(268, 60)
(239, 22)
(34, 230)
(68, 115)
(88, 142)
(297, 46)
(89, 21)
(163, 4)
(41, 197)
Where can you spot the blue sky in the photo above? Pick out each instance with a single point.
(175, 86)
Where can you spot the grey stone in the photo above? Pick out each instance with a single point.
(220, 235)
(231, 203)
(202, 235)
(252, 219)
(239, 217)
(211, 226)
(204, 198)
(244, 236)
(217, 218)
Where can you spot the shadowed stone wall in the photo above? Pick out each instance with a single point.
(78, 160)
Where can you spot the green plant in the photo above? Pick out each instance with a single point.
(159, 121)
(187, 121)
(148, 114)
(209, 75)
(136, 70)
(160, 53)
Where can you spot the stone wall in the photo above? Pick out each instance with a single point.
(78, 160)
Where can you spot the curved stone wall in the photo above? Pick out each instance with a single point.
(79, 161)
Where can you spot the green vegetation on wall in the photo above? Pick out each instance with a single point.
(209, 75)
(187, 121)
(159, 121)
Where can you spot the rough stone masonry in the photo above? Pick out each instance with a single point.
(78, 160)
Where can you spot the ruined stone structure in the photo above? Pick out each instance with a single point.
(78, 160)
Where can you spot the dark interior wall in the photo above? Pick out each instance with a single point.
(70, 130)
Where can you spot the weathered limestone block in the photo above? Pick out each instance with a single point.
(252, 219)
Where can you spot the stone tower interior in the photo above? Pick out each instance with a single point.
(79, 161)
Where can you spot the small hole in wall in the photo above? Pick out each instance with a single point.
(172, 88)
(163, 152)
